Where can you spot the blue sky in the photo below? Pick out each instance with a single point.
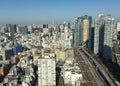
(44, 11)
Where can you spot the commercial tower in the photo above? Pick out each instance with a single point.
(103, 43)
(80, 27)
(12, 28)
(87, 33)
(87, 20)
(46, 71)
(77, 31)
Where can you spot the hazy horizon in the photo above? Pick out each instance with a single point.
(45, 11)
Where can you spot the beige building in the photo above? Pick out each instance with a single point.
(85, 29)
(70, 52)
(61, 55)
(45, 30)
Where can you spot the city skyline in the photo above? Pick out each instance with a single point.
(45, 11)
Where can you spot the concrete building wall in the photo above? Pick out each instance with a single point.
(75, 77)
(72, 78)
(46, 72)
(108, 43)
(96, 39)
(67, 77)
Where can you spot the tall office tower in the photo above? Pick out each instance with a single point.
(46, 71)
(44, 26)
(85, 29)
(103, 43)
(118, 26)
(80, 27)
(96, 38)
(77, 31)
(87, 20)
(12, 28)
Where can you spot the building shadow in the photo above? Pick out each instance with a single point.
(59, 78)
(112, 66)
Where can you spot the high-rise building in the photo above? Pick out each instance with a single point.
(23, 29)
(77, 32)
(103, 33)
(87, 20)
(45, 25)
(12, 28)
(96, 38)
(80, 27)
(85, 29)
(46, 71)
(118, 26)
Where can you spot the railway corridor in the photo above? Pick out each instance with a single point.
(90, 76)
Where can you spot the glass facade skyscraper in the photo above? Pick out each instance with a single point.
(77, 31)
(80, 27)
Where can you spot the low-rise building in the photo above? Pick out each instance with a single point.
(71, 72)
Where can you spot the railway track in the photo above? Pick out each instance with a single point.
(100, 69)
(90, 78)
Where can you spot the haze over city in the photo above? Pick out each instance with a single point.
(45, 11)
(59, 43)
